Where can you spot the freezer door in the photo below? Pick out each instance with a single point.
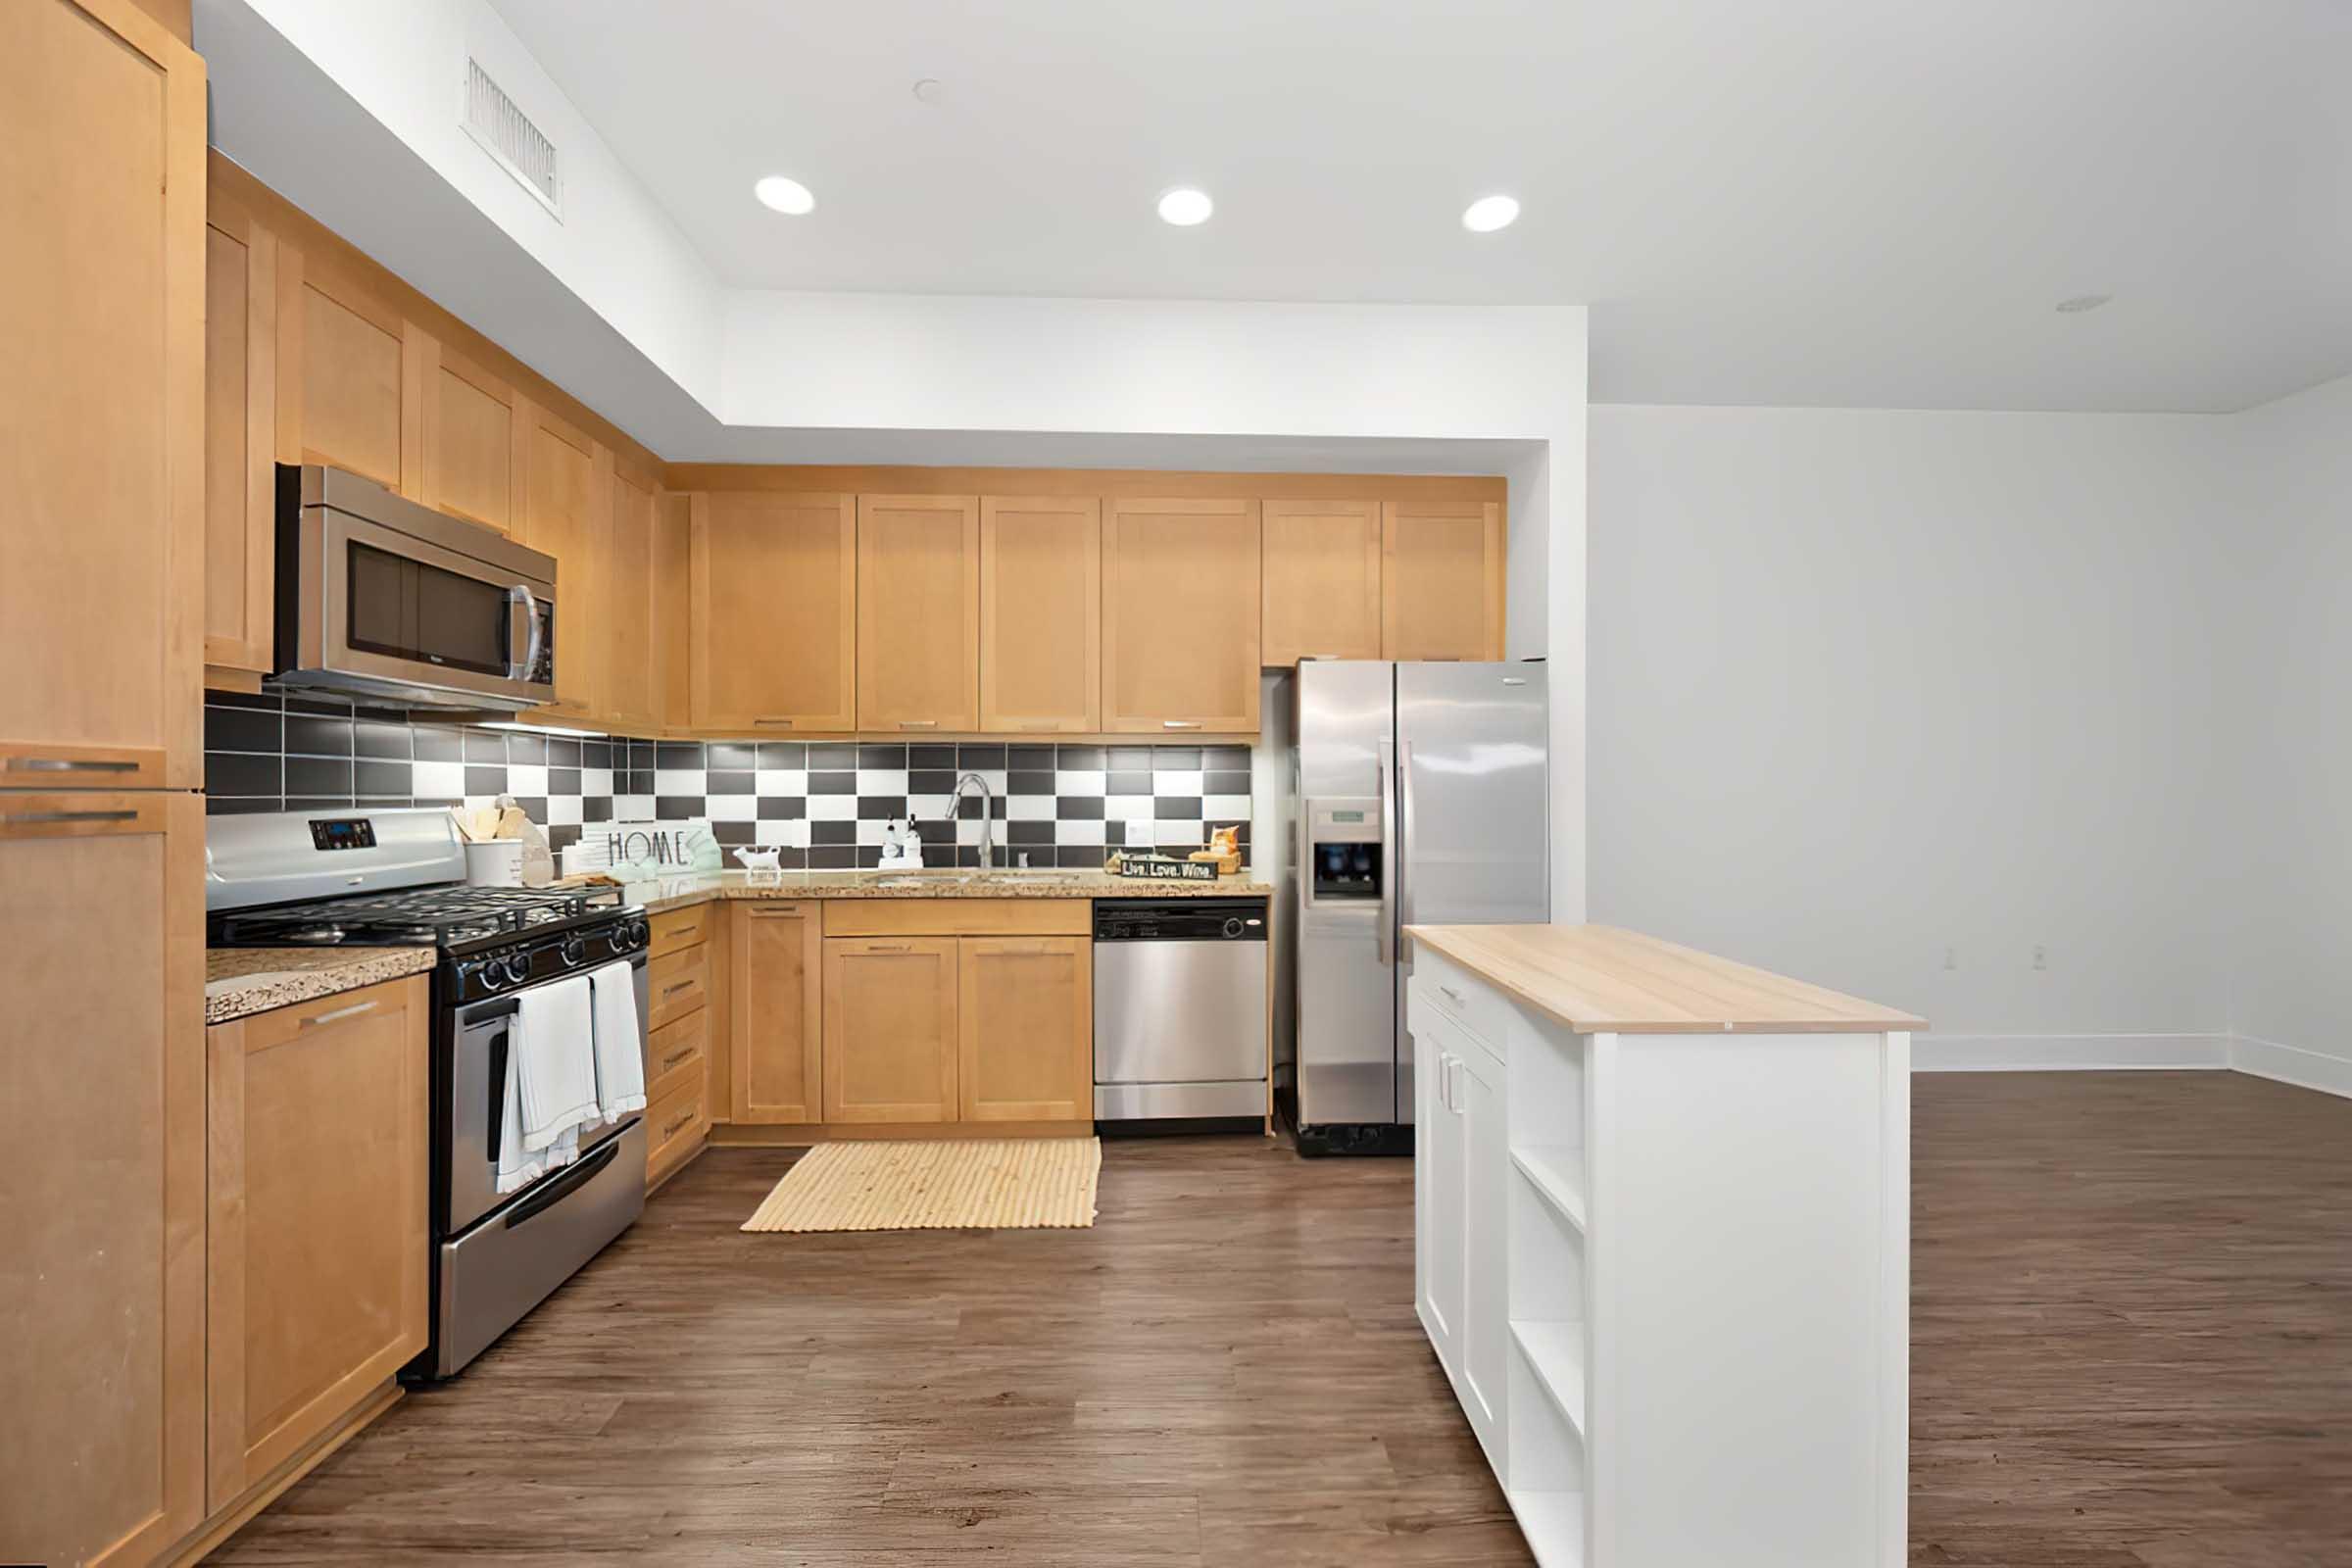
(1346, 947)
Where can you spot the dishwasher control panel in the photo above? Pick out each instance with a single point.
(1180, 920)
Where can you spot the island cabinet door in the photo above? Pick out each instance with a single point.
(319, 1177)
(1439, 1184)
(1477, 1090)
(1026, 1033)
(890, 1029)
(776, 974)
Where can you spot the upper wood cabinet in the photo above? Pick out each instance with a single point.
(102, 408)
(103, 1272)
(890, 1029)
(1180, 615)
(565, 514)
(776, 1019)
(672, 585)
(351, 375)
(1041, 614)
(625, 616)
(474, 453)
(240, 441)
(1322, 580)
(1442, 579)
(317, 1185)
(1025, 1029)
(918, 610)
(774, 611)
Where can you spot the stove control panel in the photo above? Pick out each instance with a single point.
(342, 833)
(510, 966)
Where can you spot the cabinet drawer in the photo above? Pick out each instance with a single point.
(676, 1053)
(1448, 988)
(959, 917)
(677, 984)
(674, 1128)
(674, 929)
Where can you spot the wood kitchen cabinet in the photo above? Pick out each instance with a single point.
(1321, 593)
(1442, 579)
(1025, 1029)
(918, 612)
(102, 1451)
(775, 1062)
(350, 373)
(566, 515)
(685, 980)
(102, 558)
(624, 617)
(240, 441)
(474, 450)
(318, 1181)
(1180, 615)
(1041, 614)
(890, 1040)
(774, 611)
(673, 589)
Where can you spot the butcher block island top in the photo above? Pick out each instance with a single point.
(1598, 979)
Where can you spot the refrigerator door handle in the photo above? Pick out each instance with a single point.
(1385, 931)
(1404, 835)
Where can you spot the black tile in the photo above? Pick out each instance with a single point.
(891, 757)
(329, 706)
(1127, 784)
(732, 834)
(677, 808)
(1029, 759)
(1028, 783)
(533, 807)
(310, 736)
(832, 833)
(390, 741)
(321, 802)
(260, 703)
(484, 744)
(783, 754)
(833, 758)
(563, 781)
(640, 783)
(381, 716)
(1079, 856)
(870, 856)
(833, 783)
(881, 808)
(1083, 759)
(967, 807)
(1131, 759)
(1225, 784)
(641, 755)
(1114, 835)
(678, 753)
(235, 806)
(1028, 832)
(833, 857)
(1175, 758)
(724, 782)
(480, 780)
(968, 855)
(935, 833)
(931, 757)
(1176, 807)
(600, 754)
(930, 781)
(373, 777)
(319, 775)
(1078, 808)
(597, 808)
(734, 756)
(560, 839)
(1225, 757)
(782, 807)
(527, 749)
(979, 757)
(242, 729)
(791, 858)
(381, 803)
(438, 744)
(563, 751)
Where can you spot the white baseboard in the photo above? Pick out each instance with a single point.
(2291, 1064)
(1933, 1052)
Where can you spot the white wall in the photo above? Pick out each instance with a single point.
(1868, 686)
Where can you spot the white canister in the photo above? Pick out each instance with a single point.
(497, 864)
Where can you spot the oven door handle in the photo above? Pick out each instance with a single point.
(521, 595)
(559, 1188)
(498, 1093)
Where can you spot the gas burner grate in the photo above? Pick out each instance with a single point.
(417, 916)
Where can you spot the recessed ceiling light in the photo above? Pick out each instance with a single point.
(928, 90)
(2082, 302)
(1490, 212)
(1184, 206)
(785, 195)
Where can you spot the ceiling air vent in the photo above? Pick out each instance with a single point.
(507, 135)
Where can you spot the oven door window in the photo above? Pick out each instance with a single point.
(404, 609)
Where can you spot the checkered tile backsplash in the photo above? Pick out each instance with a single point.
(824, 805)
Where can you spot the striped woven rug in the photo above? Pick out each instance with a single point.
(984, 1182)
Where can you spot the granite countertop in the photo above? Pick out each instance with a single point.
(680, 892)
(239, 982)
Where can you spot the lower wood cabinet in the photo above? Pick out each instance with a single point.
(318, 1175)
(890, 1040)
(777, 980)
(686, 969)
(1025, 1033)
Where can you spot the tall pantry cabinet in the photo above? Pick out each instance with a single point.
(102, 594)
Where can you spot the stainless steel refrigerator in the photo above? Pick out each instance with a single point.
(1419, 794)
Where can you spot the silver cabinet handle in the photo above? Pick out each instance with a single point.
(918, 723)
(69, 765)
(68, 817)
(672, 991)
(888, 947)
(1179, 723)
(352, 1012)
(673, 1060)
(1456, 995)
(776, 724)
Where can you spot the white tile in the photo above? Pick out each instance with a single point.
(679, 782)
(1079, 781)
(596, 781)
(1127, 807)
(796, 834)
(632, 807)
(967, 831)
(1029, 808)
(1176, 833)
(1072, 831)
(563, 811)
(832, 808)
(881, 781)
(438, 781)
(733, 808)
(1225, 809)
(927, 808)
(1185, 784)
(869, 832)
(526, 778)
(475, 802)
(781, 781)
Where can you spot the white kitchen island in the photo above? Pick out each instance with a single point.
(1662, 1237)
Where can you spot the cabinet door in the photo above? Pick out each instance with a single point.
(672, 586)
(918, 613)
(890, 1029)
(1444, 1180)
(777, 974)
(240, 442)
(1322, 580)
(102, 1271)
(1440, 579)
(1180, 615)
(472, 447)
(319, 1178)
(564, 515)
(1041, 614)
(625, 618)
(351, 375)
(101, 404)
(774, 611)
(1026, 1029)
(1486, 1327)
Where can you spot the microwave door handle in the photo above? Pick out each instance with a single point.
(521, 595)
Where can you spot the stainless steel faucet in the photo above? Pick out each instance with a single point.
(988, 814)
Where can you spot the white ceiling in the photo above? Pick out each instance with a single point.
(1852, 202)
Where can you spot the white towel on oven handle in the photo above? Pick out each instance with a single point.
(555, 1066)
(620, 1047)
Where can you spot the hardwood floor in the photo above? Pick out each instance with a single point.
(2132, 1330)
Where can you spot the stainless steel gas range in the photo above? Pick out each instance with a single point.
(396, 878)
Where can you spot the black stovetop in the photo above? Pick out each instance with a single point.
(452, 916)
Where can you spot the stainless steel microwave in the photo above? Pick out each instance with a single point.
(388, 601)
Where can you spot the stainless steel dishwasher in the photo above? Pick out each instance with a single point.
(1180, 1008)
